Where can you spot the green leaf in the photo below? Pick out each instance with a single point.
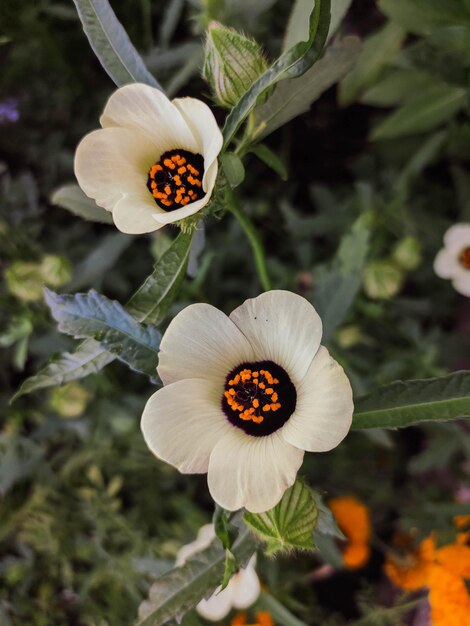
(93, 316)
(338, 284)
(89, 358)
(149, 304)
(233, 168)
(377, 52)
(177, 591)
(339, 8)
(290, 524)
(72, 198)
(230, 568)
(281, 615)
(225, 531)
(422, 17)
(397, 87)
(151, 301)
(426, 111)
(271, 159)
(295, 96)
(111, 44)
(401, 404)
(294, 62)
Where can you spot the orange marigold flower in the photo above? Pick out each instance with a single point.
(455, 558)
(263, 618)
(352, 517)
(448, 598)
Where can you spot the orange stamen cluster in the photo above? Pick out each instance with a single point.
(263, 618)
(176, 180)
(464, 258)
(252, 393)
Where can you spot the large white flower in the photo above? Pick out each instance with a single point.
(245, 396)
(153, 162)
(453, 260)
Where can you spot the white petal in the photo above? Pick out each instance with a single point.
(134, 214)
(217, 606)
(457, 236)
(323, 414)
(446, 263)
(252, 472)
(204, 538)
(202, 122)
(144, 108)
(282, 327)
(111, 163)
(245, 586)
(462, 284)
(201, 342)
(182, 422)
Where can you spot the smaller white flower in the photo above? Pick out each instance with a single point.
(242, 590)
(453, 260)
(153, 162)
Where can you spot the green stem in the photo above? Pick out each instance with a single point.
(253, 237)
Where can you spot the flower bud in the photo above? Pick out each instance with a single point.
(382, 279)
(56, 270)
(232, 64)
(407, 253)
(70, 400)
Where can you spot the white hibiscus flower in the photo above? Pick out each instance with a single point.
(245, 396)
(453, 260)
(153, 162)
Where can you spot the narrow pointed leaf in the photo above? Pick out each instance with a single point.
(401, 404)
(294, 62)
(92, 315)
(290, 524)
(111, 44)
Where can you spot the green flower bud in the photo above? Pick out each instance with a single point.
(407, 253)
(70, 400)
(382, 279)
(56, 270)
(232, 64)
(25, 280)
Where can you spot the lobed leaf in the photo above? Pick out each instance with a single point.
(402, 404)
(111, 44)
(94, 316)
(290, 524)
(294, 62)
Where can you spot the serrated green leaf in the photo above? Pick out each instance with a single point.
(92, 315)
(338, 284)
(290, 524)
(271, 159)
(72, 198)
(377, 51)
(401, 404)
(295, 96)
(111, 44)
(177, 591)
(233, 168)
(294, 62)
(426, 111)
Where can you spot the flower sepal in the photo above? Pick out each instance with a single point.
(290, 524)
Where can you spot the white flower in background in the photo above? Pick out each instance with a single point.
(153, 162)
(245, 396)
(240, 593)
(453, 260)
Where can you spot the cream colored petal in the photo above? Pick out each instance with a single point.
(134, 214)
(182, 423)
(111, 163)
(217, 606)
(245, 586)
(201, 342)
(462, 283)
(282, 327)
(146, 109)
(252, 472)
(203, 124)
(323, 414)
(457, 236)
(446, 263)
(204, 538)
